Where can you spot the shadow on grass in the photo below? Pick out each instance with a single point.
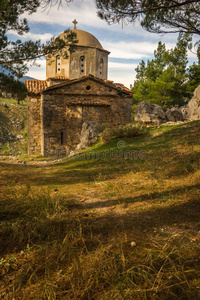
(158, 196)
(160, 158)
(24, 225)
(170, 164)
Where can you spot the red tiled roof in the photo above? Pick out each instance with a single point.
(83, 101)
(122, 87)
(36, 86)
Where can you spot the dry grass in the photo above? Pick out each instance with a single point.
(105, 227)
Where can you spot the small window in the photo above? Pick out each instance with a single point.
(101, 68)
(82, 65)
(88, 87)
(57, 64)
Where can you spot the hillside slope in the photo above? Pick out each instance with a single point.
(13, 127)
(118, 221)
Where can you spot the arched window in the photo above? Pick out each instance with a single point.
(101, 68)
(58, 64)
(82, 65)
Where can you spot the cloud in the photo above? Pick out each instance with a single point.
(125, 77)
(121, 66)
(129, 50)
(38, 72)
(122, 72)
(83, 11)
(31, 36)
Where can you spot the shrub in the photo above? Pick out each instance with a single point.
(126, 131)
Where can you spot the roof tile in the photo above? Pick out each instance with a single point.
(36, 86)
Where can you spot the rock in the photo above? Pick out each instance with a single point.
(174, 114)
(194, 105)
(184, 110)
(149, 113)
(71, 153)
(89, 134)
(133, 244)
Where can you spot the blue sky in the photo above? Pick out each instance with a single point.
(128, 44)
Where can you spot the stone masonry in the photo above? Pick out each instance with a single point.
(57, 113)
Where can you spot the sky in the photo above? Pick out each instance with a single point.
(128, 43)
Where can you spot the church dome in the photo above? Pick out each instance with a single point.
(85, 39)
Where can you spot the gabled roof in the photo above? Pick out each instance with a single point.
(40, 86)
(117, 86)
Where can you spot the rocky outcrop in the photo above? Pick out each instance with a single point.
(89, 134)
(152, 113)
(174, 114)
(149, 113)
(193, 107)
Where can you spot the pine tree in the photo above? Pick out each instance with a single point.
(164, 80)
(154, 15)
(16, 55)
(193, 76)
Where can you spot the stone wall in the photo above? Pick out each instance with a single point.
(56, 116)
(63, 124)
(34, 124)
(63, 118)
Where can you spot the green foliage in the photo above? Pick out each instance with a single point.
(164, 79)
(194, 77)
(15, 56)
(126, 131)
(13, 126)
(154, 15)
(18, 88)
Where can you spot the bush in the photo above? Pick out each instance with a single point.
(126, 131)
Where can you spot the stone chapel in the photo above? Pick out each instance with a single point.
(76, 91)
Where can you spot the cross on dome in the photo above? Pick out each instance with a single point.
(75, 22)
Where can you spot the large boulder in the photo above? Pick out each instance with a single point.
(89, 134)
(174, 114)
(194, 105)
(149, 113)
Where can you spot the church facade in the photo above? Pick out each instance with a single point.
(76, 91)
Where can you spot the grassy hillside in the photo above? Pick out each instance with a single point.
(13, 127)
(119, 221)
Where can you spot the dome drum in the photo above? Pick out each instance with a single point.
(88, 58)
